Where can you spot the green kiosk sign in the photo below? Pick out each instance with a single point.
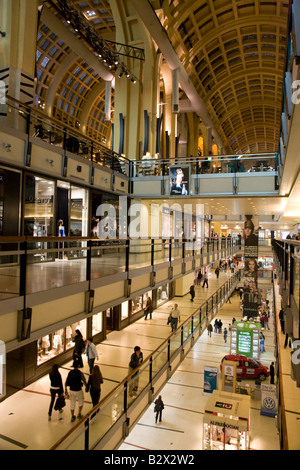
(245, 339)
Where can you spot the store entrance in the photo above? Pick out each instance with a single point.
(110, 315)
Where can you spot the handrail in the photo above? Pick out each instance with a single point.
(32, 239)
(283, 416)
(63, 127)
(161, 346)
(212, 158)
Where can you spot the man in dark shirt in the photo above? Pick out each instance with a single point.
(75, 381)
(135, 360)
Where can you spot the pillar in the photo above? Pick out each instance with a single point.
(19, 20)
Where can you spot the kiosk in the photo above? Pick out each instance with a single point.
(226, 422)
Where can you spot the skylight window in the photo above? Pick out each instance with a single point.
(90, 14)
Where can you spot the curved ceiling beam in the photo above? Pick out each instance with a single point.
(160, 36)
(78, 47)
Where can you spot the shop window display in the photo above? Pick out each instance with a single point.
(139, 303)
(162, 294)
(124, 310)
(97, 325)
(54, 344)
(136, 304)
(50, 346)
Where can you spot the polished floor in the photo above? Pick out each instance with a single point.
(24, 416)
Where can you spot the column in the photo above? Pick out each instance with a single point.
(19, 20)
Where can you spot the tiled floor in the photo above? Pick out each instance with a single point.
(182, 424)
(24, 416)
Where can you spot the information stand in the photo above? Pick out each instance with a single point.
(226, 422)
(229, 376)
(245, 339)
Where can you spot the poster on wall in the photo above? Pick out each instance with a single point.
(251, 297)
(179, 180)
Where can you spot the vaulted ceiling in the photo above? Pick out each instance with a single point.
(234, 52)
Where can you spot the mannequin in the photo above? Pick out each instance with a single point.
(61, 228)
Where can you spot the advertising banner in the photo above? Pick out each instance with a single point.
(210, 380)
(251, 294)
(179, 180)
(268, 400)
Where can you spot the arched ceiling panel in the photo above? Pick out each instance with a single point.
(51, 52)
(79, 80)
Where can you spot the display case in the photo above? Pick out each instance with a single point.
(226, 422)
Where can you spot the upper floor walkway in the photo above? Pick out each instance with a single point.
(47, 146)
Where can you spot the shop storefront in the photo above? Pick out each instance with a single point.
(47, 202)
(132, 310)
(105, 216)
(10, 187)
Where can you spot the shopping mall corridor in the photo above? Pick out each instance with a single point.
(24, 416)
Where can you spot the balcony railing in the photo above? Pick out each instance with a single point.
(33, 264)
(52, 131)
(227, 164)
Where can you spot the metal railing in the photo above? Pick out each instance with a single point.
(227, 164)
(52, 131)
(37, 264)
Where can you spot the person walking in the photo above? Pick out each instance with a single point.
(262, 344)
(225, 332)
(94, 385)
(209, 330)
(175, 317)
(75, 381)
(91, 353)
(199, 277)
(272, 374)
(205, 280)
(135, 360)
(79, 348)
(266, 321)
(217, 272)
(192, 292)
(56, 388)
(281, 318)
(148, 308)
(158, 408)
